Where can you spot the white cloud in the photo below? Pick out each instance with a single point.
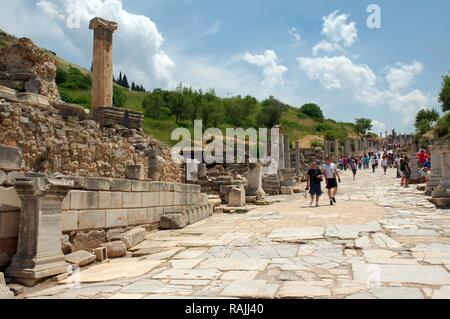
(359, 80)
(295, 35)
(137, 42)
(338, 72)
(273, 72)
(378, 127)
(338, 30)
(326, 47)
(402, 76)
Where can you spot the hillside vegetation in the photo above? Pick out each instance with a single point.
(166, 110)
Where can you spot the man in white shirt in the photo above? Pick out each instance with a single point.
(332, 176)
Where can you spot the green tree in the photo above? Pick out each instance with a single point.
(312, 110)
(212, 109)
(271, 112)
(119, 96)
(239, 109)
(363, 126)
(177, 103)
(155, 104)
(425, 119)
(444, 96)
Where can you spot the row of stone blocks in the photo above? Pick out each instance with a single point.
(114, 218)
(179, 218)
(109, 184)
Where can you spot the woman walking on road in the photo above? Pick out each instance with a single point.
(354, 167)
(314, 183)
(405, 172)
(385, 165)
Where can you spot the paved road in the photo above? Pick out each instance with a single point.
(379, 241)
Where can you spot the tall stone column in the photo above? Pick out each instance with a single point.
(298, 164)
(441, 195)
(102, 63)
(287, 152)
(281, 164)
(436, 170)
(39, 252)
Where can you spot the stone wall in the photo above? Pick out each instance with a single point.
(103, 204)
(27, 68)
(51, 144)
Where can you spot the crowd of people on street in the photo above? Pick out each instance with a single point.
(329, 172)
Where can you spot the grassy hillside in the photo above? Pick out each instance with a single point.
(74, 84)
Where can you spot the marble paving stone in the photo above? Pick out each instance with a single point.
(191, 253)
(397, 293)
(250, 289)
(127, 296)
(442, 293)
(414, 274)
(106, 272)
(188, 274)
(304, 289)
(297, 234)
(185, 263)
(239, 275)
(228, 264)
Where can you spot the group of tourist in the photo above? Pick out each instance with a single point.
(329, 172)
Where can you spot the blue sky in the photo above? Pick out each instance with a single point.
(263, 48)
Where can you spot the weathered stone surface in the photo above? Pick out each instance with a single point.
(415, 274)
(134, 237)
(115, 249)
(120, 185)
(101, 254)
(397, 293)
(192, 274)
(39, 249)
(80, 258)
(250, 289)
(135, 172)
(98, 184)
(174, 220)
(304, 289)
(88, 241)
(9, 200)
(297, 234)
(113, 271)
(10, 158)
(236, 197)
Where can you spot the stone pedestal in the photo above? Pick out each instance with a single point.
(102, 63)
(255, 181)
(5, 293)
(39, 252)
(297, 159)
(10, 158)
(441, 195)
(436, 170)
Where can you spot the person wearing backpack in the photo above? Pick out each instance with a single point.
(314, 182)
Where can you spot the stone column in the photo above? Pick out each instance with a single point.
(281, 164)
(287, 152)
(337, 148)
(441, 194)
(255, 181)
(102, 63)
(5, 293)
(298, 167)
(348, 147)
(39, 252)
(436, 170)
